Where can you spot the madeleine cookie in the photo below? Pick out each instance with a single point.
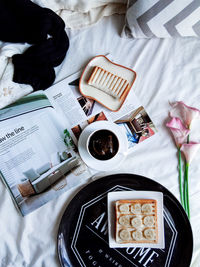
(136, 221)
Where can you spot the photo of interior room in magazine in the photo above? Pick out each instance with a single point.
(87, 105)
(39, 159)
(137, 125)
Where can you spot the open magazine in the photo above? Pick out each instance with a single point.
(39, 159)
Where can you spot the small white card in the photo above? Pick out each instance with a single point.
(114, 196)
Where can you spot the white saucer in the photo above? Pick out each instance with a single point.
(103, 165)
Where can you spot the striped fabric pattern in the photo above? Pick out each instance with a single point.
(162, 18)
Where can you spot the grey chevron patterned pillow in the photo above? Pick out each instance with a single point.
(162, 18)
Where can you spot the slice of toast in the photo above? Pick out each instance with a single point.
(136, 221)
(109, 83)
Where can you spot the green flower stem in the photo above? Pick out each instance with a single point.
(180, 177)
(187, 188)
(186, 192)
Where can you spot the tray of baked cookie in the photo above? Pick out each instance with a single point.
(124, 220)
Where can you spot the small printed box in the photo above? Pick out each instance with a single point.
(136, 221)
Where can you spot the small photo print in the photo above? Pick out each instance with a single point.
(77, 130)
(137, 125)
(86, 104)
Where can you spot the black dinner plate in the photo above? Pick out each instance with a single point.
(83, 233)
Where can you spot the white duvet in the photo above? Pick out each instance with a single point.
(82, 13)
(167, 70)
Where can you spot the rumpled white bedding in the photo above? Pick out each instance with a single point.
(7, 50)
(82, 13)
(167, 70)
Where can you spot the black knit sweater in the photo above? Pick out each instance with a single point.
(22, 21)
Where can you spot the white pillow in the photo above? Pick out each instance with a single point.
(162, 19)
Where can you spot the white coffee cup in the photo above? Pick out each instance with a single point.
(112, 161)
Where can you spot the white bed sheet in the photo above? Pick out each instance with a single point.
(168, 70)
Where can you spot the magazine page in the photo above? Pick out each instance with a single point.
(80, 111)
(33, 102)
(38, 159)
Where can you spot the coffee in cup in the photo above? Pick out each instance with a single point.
(103, 144)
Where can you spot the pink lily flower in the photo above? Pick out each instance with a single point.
(190, 150)
(185, 113)
(179, 131)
